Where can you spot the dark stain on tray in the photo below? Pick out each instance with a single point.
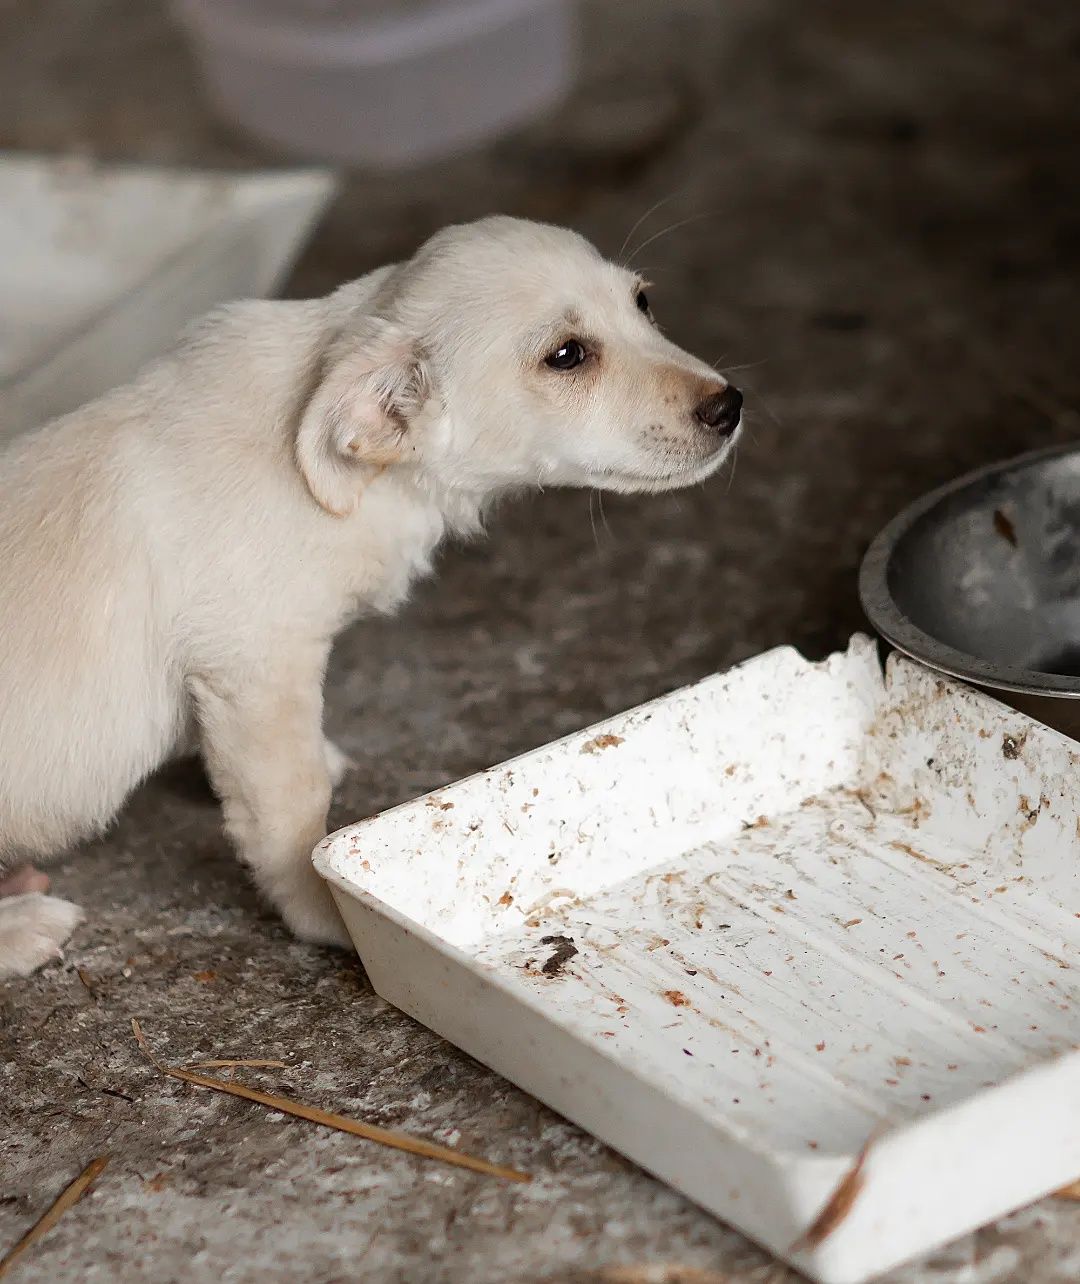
(1011, 747)
(564, 951)
(1004, 527)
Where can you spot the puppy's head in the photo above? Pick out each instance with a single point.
(509, 354)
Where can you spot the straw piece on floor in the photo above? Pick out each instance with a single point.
(68, 1198)
(396, 1140)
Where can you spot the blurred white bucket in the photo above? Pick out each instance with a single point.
(382, 82)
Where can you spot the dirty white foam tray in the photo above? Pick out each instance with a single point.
(801, 940)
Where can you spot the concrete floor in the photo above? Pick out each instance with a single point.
(885, 233)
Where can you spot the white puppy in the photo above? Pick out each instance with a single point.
(176, 557)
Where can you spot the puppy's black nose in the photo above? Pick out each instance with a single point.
(721, 410)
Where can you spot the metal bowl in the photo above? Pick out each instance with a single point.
(981, 580)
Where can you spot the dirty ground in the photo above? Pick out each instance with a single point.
(882, 238)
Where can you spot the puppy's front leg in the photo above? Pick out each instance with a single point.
(265, 753)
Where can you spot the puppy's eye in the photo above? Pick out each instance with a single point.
(642, 301)
(566, 356)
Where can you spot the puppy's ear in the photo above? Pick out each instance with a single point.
(373, 382)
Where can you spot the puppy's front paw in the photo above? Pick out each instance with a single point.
(310, 913)
(33, 928)
(338, 763)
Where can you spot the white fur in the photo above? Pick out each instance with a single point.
(176, 557)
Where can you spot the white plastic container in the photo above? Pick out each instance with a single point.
(101, 266)
(802, 940)
(382, 83)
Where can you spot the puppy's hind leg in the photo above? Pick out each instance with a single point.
(264, 748)
(33, 928)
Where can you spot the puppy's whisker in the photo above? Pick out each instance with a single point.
(647, 215)
(592, 521)
(665, 231)
(603, 515)
(759, 399)
(747, 365)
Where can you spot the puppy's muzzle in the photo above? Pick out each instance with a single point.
(721, 411)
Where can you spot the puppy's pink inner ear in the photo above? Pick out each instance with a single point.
(371, 433)
(354, 424)
(337, 437)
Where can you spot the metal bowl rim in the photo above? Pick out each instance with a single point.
(901, 632)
